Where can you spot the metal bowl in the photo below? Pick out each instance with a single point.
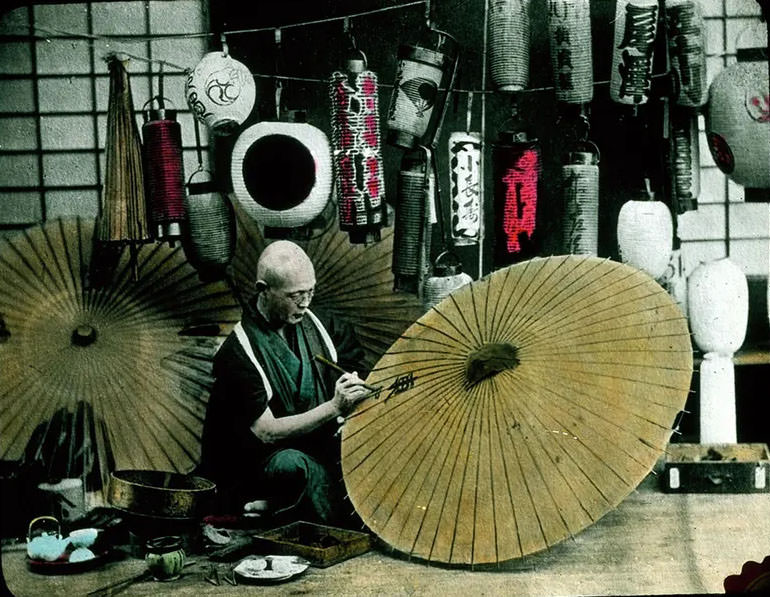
(160, 494)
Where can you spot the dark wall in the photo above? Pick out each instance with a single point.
(629, 146)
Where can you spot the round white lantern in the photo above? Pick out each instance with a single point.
(282, 173)
(646, 236)
(718, 297)
(737, 122)
(220, 92)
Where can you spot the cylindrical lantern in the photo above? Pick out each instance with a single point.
(423, 75)
(738, 120)
(508, 27)
(414, 214)
(569, 28)
(685, 160)
(580, 186)
(645, 235)
(686, 50)
(282, 173)
(356, 149)
(516, 169)
(163, 170)
(465, 187)
(636, 23)
(718, 297)
(447, 277)
(209, 236)
(220, 92)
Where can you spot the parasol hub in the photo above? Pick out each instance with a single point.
(488, 361)
(84, 335)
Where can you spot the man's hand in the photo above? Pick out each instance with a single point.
(349, 390)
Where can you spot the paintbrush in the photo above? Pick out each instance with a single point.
(341, 371)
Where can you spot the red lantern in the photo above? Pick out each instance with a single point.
(163, 169)
(356, 150)
(516, 170)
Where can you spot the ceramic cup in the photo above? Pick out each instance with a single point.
(165, 557)
(220, 92)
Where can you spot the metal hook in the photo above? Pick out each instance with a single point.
(225, 48)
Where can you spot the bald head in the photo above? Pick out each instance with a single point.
(282, 261)
(285, 281)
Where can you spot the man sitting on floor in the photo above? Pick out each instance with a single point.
(271, 423)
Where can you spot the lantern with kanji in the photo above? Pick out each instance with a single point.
(569, 28)
(686, 50)
(636, 24)
(356, 150)
(580, 188)
(516, 165)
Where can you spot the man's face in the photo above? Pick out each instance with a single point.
(287, 303)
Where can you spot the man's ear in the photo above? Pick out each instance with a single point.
(261, 285)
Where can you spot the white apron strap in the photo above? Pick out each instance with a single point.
(246, 344)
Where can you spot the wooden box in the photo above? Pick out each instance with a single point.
(716, 468)
(320, 545)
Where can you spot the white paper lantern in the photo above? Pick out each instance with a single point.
(645, 236)
(282, 173)
(718, 296)
(737, 123)
(220, 92)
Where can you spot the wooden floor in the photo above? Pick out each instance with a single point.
(653, 543)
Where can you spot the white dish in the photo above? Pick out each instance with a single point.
(270, 568)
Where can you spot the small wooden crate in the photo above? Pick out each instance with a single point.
(716, 468)
(320, 545)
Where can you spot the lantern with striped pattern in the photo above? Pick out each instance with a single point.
(509, 44)
(163, 169)
(415, 214)
(209, 236)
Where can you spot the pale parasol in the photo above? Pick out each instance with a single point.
(518, 411)
(139, 352)
(354, 283)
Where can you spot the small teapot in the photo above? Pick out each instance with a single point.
(165, 557)
(48, 546)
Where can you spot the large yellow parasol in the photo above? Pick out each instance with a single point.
(139, 352)
(518, 411)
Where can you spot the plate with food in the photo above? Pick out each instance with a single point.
(270, 569)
